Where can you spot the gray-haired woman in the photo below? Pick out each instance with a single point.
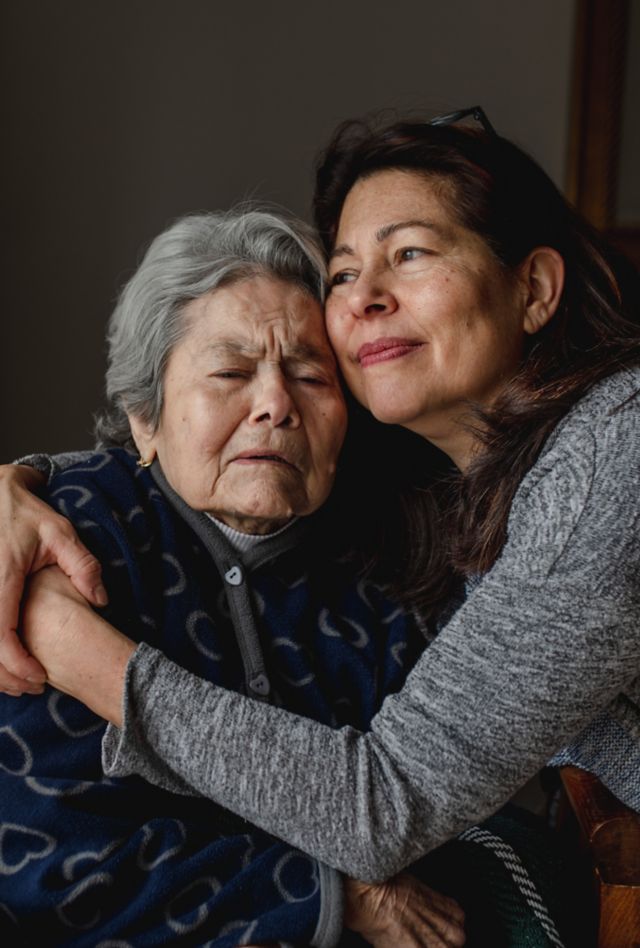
(222, 380)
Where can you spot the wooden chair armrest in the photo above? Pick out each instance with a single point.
(611, 829)
(611, 834)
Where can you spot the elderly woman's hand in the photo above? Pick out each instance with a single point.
(82, 654)
(403, 913)
(32, 535)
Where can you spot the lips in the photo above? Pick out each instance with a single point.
(258, 456)
(385, 349)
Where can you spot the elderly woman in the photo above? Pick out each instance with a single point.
(470, 306)
(221, 374)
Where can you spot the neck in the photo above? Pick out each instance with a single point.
(251, 526)
(242, 542)
(456, 438)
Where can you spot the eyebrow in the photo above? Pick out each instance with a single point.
(388, 229)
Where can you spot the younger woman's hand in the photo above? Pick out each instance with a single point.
(32, 535)
(403, 913)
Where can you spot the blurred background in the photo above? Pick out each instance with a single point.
(118, 116)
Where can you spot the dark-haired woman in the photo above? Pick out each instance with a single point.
(470, 306)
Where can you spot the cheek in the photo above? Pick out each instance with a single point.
(336, 327)
(338, 429)
(193, 436)
(327, 438)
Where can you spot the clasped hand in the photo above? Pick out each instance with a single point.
(33, 536)
(403, 913)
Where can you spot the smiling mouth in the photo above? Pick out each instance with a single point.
(383, 350)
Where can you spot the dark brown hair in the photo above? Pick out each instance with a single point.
(428, 525)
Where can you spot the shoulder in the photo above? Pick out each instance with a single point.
(612, 404)
(112, 466)
(102, 485)
(581, 496)
(607, 417)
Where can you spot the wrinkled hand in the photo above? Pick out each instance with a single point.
(32, 535)
(403, 913)
(82, 654)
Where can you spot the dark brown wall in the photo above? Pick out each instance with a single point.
(118, 115)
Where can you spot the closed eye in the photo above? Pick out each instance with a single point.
(230, 374)
(307, 374)
(310, 380)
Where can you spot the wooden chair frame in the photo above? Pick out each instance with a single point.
(610, 834)
(596, 118)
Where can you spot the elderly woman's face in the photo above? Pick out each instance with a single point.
(421, 315)
(253, 417)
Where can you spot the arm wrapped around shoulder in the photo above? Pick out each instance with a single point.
(545, 642)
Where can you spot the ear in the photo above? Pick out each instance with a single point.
(542, 274)
(144, 437)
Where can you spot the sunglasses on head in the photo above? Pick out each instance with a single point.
(475, 112)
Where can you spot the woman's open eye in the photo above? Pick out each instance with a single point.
(406, 254)
(342, 277)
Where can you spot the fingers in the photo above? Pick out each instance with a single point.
(432, 932)
(18, 668)
(32, 536)
(447, 921)
(436, 919)
(11, 685)
(404, 911)
(82, 568)
(451, 932)
(447, 906)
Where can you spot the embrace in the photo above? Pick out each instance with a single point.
(332, 634)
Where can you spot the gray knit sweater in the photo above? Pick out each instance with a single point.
(542, 658)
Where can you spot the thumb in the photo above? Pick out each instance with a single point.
(81, 566)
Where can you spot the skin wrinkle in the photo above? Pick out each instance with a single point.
(236, 386)
(299, 353)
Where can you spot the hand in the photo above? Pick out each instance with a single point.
(403, 913)
(32, 535)
(82, 654)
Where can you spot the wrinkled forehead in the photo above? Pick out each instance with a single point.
(258, 316)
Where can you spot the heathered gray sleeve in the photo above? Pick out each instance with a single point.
(51, 464)
(547, 639)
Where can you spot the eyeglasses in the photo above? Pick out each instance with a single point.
(475, 112)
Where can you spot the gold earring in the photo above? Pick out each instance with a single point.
(142, 463)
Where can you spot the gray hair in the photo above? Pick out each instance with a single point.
(195, 255)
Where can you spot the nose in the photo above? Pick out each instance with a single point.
(370, 295)
(273, 404)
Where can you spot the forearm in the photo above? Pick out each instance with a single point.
(442, 754)
(100, 662)
(81, 653)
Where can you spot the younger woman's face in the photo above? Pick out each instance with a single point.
(421, 315)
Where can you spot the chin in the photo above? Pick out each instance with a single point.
(389, 414)
(392, 403)
(272, 508)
